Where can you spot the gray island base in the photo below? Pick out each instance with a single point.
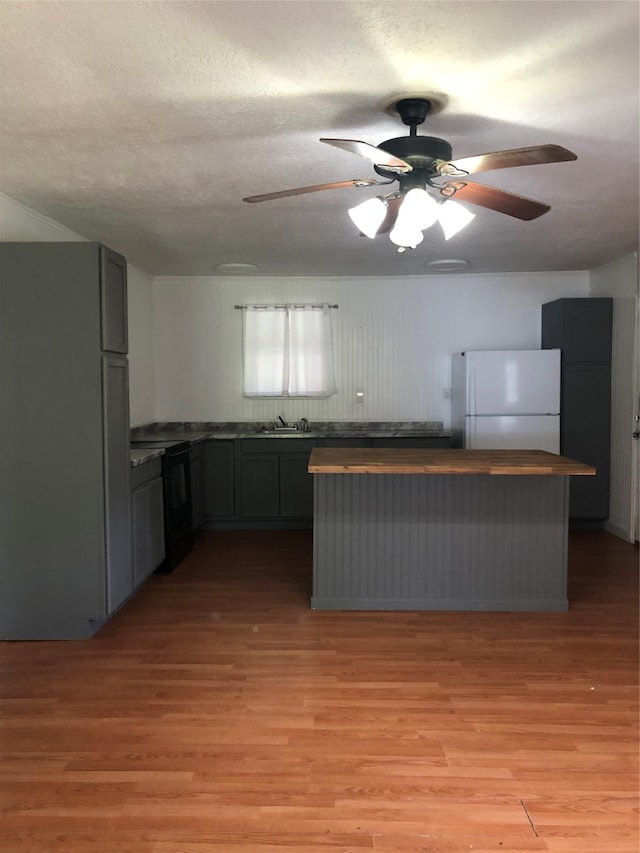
(440, 529)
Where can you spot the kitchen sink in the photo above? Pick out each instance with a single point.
(282, 431)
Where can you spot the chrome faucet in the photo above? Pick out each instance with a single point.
(280, 418)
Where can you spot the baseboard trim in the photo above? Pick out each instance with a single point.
(620, 532)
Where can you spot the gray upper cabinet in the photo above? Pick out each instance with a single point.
(113, 297)
(65, 526)
(582, 330)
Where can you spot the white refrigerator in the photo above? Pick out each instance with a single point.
(506, 399)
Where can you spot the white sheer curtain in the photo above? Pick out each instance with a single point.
(288, 351)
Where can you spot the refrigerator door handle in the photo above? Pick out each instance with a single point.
(471, 402)
(470, 441)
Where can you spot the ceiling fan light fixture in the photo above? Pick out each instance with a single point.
(369, 215)
(406, 236)
(419, 208)
(453, 217)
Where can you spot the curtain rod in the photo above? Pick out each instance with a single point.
(287, 305)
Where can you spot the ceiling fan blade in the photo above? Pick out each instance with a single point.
(503, 202)
(356, 182)
(374, 155)
(532, 156)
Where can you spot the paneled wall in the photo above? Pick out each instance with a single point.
(393, 339)
(619, 280)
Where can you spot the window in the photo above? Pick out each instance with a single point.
(288, 351)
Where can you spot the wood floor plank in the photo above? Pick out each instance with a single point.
(216, 713)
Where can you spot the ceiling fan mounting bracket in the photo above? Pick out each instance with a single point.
(413, 111)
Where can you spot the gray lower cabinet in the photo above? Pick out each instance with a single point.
(422, 442)
(147, 514)
(259, 485)
(427, 443)
(264, 482)
(219, 480)
(273, 480)
(345, 442)
(65, 517)
(196, 463)
(296, 486)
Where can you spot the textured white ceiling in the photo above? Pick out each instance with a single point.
(144, 124)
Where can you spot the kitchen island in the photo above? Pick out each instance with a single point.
(443, 529)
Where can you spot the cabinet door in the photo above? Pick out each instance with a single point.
(115, 390)
(581, 328)
(296, 486)
(113, 299)
(139, 499)
(196, 462)
(259, 486)
(219, 485)
(585, 425)
(155, 523)
(147, 522)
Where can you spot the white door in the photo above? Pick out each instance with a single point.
(522, 432)
(513, 382)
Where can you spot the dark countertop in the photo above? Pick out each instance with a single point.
(197, 432)
(142, 455)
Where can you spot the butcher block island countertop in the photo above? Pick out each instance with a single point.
(436, 541)
(365, 460)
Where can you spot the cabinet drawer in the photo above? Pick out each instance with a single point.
(142, 474)
(346, 442)
(277, 445)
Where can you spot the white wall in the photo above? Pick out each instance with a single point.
(393, 339)
(21, 224)
(619, 280)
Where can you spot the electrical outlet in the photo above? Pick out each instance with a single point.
(446, 394)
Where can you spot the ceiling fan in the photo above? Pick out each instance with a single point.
(422, 163)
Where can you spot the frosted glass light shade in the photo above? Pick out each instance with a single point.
(407, 235)
(369, 215)
(419, 208)
(453, 217)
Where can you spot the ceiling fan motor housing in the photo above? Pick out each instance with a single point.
(421, 152)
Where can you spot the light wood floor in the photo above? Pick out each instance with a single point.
(218, 714)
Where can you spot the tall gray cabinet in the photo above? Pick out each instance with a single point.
(582, 330)
(65, 519)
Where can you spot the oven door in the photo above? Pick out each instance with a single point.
(177, 488)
